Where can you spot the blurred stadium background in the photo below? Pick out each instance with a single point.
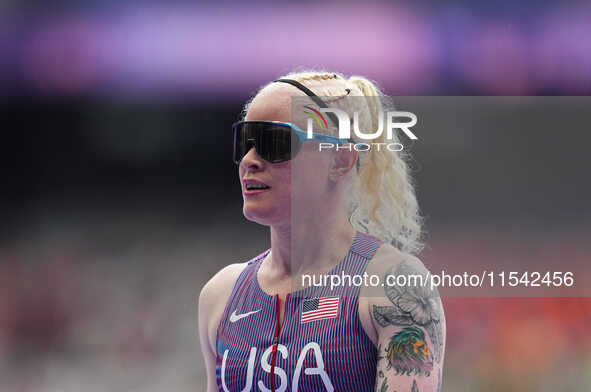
(119, 199)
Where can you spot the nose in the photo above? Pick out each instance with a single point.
(252, 160)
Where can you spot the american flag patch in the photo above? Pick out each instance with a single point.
(320, 308)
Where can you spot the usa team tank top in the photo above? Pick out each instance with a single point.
(321, 345)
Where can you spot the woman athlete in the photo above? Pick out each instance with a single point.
(332, 212)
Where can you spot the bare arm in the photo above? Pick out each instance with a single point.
(208, 353)
(410, 325)
(212, 301)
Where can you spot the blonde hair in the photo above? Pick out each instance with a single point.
(383, 202)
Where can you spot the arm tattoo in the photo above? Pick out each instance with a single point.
(414, 305)
(415, 388)
(408, 353)
(384, 386)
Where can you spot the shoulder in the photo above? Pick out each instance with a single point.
(404, 291)
(383, 269)
(222, 281)
(213, 298)
(389, 259)
(406, 298)
(399, 274)
(218, 288)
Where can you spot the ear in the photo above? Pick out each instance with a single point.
(344, 160)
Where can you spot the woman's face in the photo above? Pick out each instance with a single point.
(297, 185)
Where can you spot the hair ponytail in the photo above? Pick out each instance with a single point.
(386, 205)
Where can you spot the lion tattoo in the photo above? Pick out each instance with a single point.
(408, 353)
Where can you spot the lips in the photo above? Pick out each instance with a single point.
(252, 186)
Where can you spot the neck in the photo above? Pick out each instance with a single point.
(311, 243)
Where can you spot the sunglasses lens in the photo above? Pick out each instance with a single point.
(273, 142)
(244, 138)
(276, 143)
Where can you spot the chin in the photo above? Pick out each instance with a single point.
(264, 215)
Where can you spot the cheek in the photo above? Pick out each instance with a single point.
(310, 169)
(307, 187)
(281, 175)
(284, 188)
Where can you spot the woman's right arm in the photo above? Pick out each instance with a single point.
(212, 301)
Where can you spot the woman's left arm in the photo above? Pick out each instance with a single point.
(410, 324)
